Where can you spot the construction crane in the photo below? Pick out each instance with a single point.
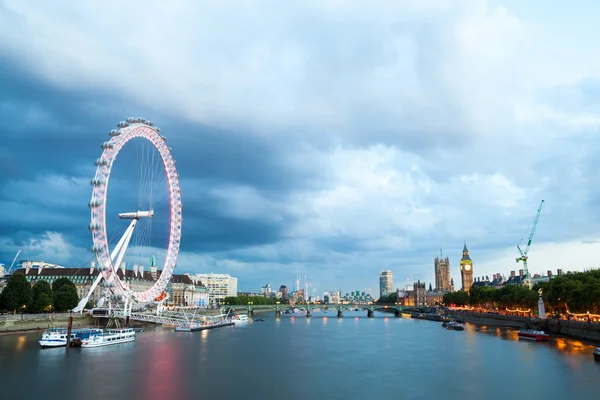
(524, 254)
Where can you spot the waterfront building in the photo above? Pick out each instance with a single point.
(2, 270)
(442, 274)
(386, 283)
(332, 297)
(219, 286)
(416, 294)
(466, 269)
(358, 297)
(37, 264)
(266, 289)
(82, 278)
(284, 292)
(182, 290)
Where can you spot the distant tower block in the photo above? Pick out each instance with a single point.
(386, 283)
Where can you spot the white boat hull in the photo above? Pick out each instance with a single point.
(52, 343)
(101, 344)
(240, 319)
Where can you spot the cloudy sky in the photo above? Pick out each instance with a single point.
(329, 137)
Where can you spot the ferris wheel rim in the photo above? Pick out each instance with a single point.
(136, 128)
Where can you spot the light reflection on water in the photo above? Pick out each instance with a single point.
(327, 361)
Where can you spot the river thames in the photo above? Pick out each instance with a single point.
(300, 358)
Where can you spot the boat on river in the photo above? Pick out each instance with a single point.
(239, 319)
(597, 354)
(531, 334)
(57, 337)
(454, 326)
(109, 337)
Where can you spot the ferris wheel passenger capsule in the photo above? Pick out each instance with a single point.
(97, 182)
(101, 161)
(94, 203)
(107, 145)
(123, 124)
(94, 227)
(139, 119)
(157, 129)
(96, 249)
(131, 120)
(149, 123)
(114, 132)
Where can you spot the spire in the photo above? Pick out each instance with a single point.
(465, 253)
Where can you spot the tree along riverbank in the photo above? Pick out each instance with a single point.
(568, 328)
(34, 322)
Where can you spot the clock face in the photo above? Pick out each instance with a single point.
(468, 267)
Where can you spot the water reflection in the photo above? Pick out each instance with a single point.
(21, 340)
(222, 362)
(571, 346)
(161, 361)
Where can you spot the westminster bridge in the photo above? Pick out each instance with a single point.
(369, 308)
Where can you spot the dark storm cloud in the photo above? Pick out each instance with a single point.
(51, 132)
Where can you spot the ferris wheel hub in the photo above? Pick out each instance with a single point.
(137, 215)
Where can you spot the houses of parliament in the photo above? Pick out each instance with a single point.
(443, 280)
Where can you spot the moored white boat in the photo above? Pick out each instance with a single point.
(57, 337)
(532, 334)
(239, 319)
(109, 337)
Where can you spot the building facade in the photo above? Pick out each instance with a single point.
(185, 292)
(358, 297)
(442, 274)
(386, 283)
(182, 290)
(284, 292)
(219, 286)
(466, 269)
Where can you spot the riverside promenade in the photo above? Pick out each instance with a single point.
(33, 322)
(557, 326)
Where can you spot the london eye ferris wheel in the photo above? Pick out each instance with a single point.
(158, 196)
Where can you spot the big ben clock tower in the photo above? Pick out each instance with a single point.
(466, 269)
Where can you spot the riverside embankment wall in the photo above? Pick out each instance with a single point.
(31, 322)
(575, 329)
(568, 328)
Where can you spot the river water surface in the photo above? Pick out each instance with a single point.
(299, 358)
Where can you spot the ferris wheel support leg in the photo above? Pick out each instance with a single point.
(85, 299)
(119, 245)
(124, 242)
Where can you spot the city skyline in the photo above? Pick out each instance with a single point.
(393, 132)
